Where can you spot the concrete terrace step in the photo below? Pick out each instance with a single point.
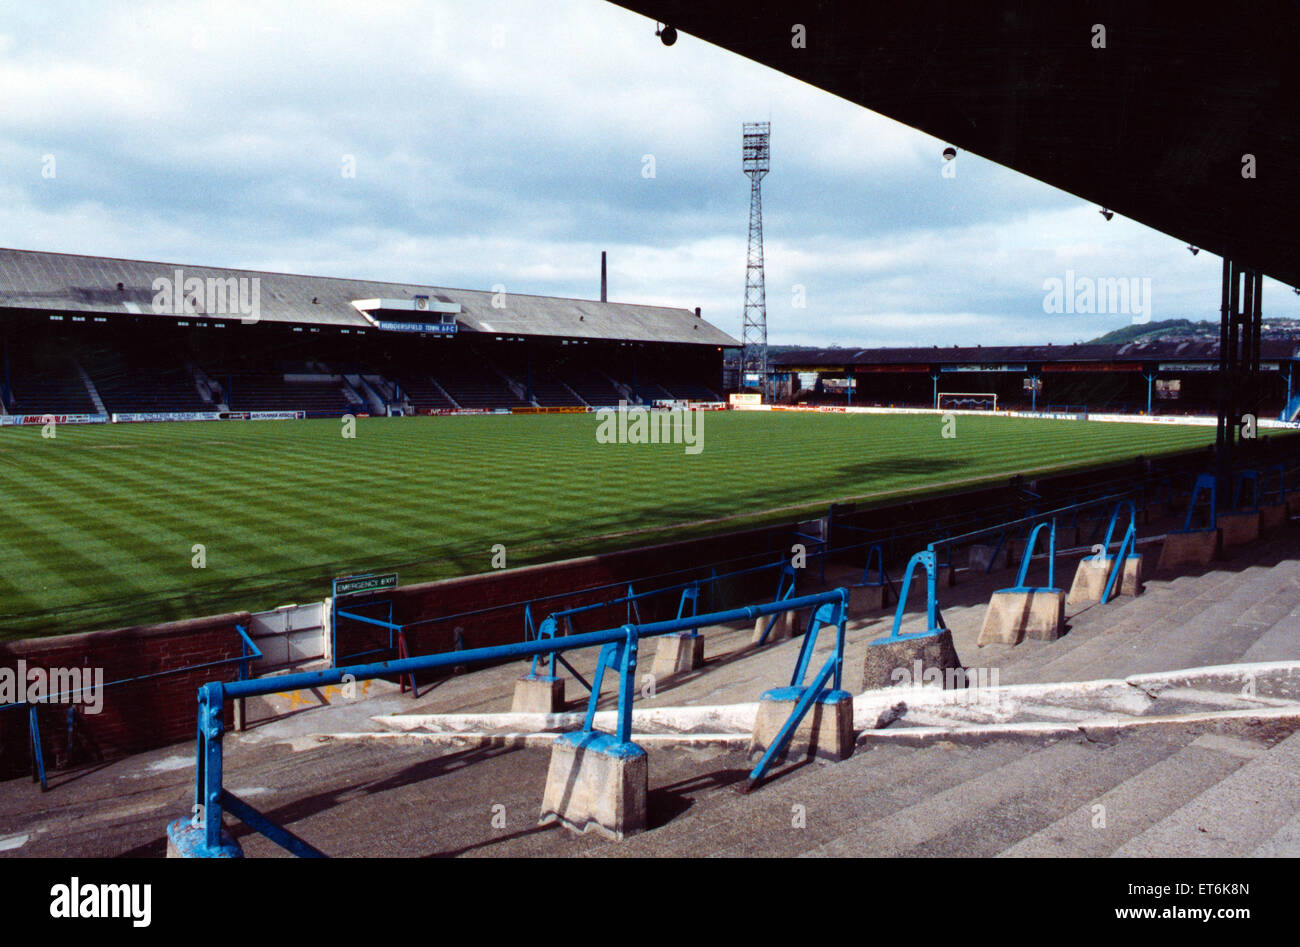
(1144, 624)
(870, 784)
(1234, 817)
(1187, 636)
(1210, 628)
(1284, 844)
(1279, 641)
(1139, 802)
(1005, 802)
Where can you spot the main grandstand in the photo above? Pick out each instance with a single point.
(91, 337)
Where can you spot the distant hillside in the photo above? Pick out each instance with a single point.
(1163, 330)
(1175, 329)
(1153, 331)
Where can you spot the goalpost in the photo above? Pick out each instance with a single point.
(966, 401)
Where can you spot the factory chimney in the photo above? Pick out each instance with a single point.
(603, 297)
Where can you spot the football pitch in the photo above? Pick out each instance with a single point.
(110, 525)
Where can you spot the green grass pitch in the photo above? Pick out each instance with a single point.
(98, 525)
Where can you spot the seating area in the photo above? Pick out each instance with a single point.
(649, 390)
(691, 392)
(423, 394)
(476, 387)
(548, 392)
(50, 387)
(591, 386)
(151, 390)
(159, 376)
(263, 392)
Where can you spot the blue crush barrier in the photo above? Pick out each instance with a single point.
(784, 591)
(202, 834)
(1247, 477)
(1127, 546)
(38, 756)
(825, 683)
(1209, 484)
(934, 619)
(1023, 574)
(928, 559)
(1278, 493)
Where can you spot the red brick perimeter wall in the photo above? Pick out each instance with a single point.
(135, 716)
(498, 593)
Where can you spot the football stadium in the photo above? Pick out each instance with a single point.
(326, 565)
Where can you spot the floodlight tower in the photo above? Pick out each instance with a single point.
(756, 161)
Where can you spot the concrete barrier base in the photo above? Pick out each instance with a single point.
(678, 653)
(944, 577)
(979, 555)
(187, 840)
(865, 598)
(1023, 613)
(1272, 516)
(1195, 548)
(596, 784)
(1237, 529)
(1090, 579)
(538, 694)
(826, 730)
(894, 662)
(783, 629)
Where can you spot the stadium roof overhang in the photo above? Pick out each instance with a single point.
(32, 281)
(1155, 126)
(1100, 356)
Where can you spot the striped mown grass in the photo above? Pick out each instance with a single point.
(98, 525)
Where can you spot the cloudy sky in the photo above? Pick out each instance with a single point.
(510, 142)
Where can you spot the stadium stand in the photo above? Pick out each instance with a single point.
(1110, 377)
(592, 386)
(476, 387)
(423, 393)
(693, 392)
(56, 307)
(1174, 786)
(550, 392)
(648, 390)
(133, 382)
(320, 397)
(47, 386)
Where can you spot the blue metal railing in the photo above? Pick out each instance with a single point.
(249, 652)
(1127, 546)
(1247, 477)
(928, 560)
(1208, 483)
(1023, 574)
(618, 652)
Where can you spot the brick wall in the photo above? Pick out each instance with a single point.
(502, 622)
(135, 716)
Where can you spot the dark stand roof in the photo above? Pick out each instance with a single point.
(1154, 126)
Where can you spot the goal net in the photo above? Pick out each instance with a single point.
(967, 401)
